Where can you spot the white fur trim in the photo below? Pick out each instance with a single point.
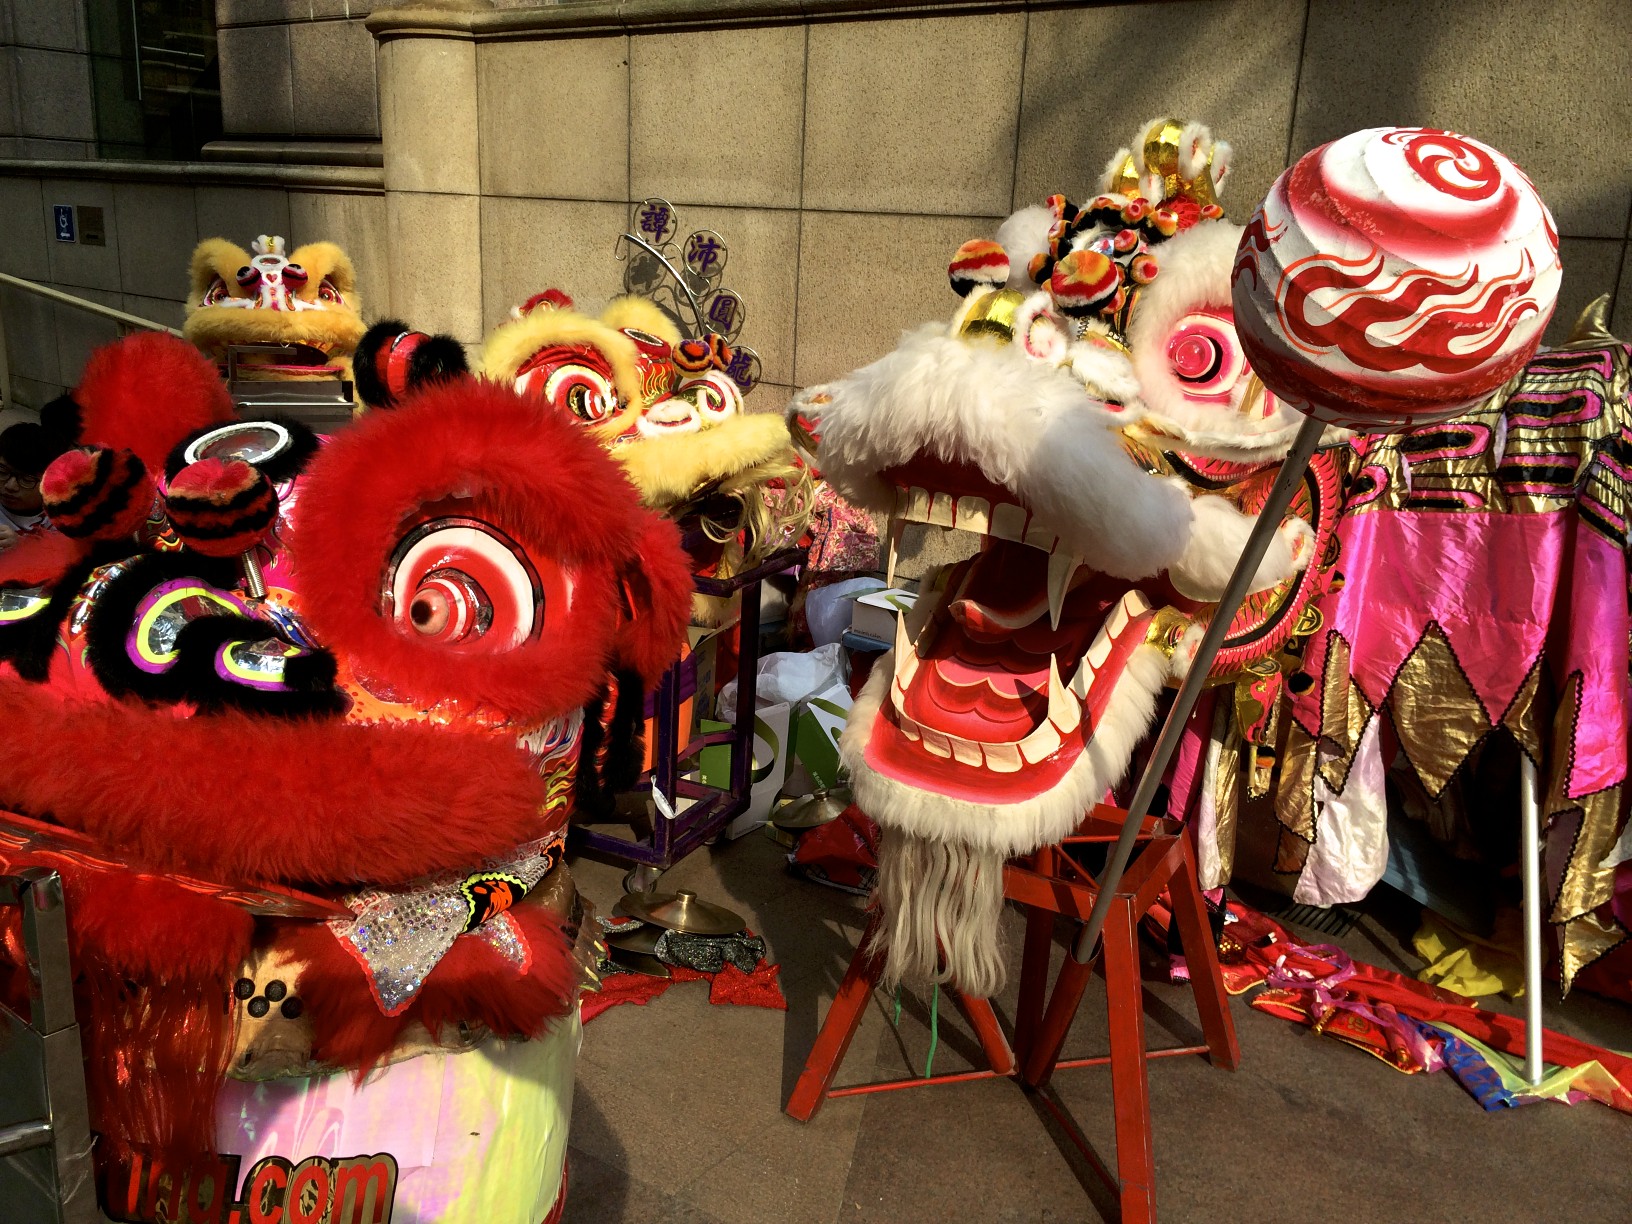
(1023, 235)
(1005, 828)
(1223, 152)
(1195, 273)
(1108, 374)
(1030, 427)
(1217, 538)
(1195, 142)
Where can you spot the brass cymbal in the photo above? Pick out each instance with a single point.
(681, 911)
(642, 939)
(818, 808)
(640, 962)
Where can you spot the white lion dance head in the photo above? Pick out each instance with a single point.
(1093, 347)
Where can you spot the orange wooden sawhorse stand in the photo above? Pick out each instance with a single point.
(1044, 885)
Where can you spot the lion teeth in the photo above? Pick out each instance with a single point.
(1041, 744)
(1062, 568)
(974, 514)
(1008, 522)
(1064, 711)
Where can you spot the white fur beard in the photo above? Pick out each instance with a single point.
(941, 906)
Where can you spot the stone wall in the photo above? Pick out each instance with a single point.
(153, 220)
(45, 80)
(297, 68)
(845, 156)
(844, 149)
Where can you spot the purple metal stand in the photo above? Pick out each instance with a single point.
(677, 833)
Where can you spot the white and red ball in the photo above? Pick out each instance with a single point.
(1395, 277)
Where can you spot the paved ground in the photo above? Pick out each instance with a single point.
(678, 1116)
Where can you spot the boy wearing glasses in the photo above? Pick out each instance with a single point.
(26, 450)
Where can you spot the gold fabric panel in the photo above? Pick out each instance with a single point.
(1436, 712)
(1585, 940)
(1227, 788)
(1295, 793)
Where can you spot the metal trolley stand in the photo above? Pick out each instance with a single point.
(45, 1133)
(688, 810)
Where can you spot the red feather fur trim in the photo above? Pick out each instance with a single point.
(660, 587)
(531, 473)
(147, 392)
(240, 798)
(40, 557)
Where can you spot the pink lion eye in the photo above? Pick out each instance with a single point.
(1205, 355)
(460, 583)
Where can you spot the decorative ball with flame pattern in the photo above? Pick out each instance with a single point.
(1395, 277)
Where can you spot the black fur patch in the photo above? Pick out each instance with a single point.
(115, 611)
(31, 644)
(435, 357)
(610, 754)
(310, 676)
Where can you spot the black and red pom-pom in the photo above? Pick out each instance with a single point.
(978, 262)
(93, 493)
(1083, 282)
(391, 359)
(709, 353)
(221, 509)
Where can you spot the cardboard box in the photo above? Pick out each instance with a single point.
(874, 613)
(766, 772)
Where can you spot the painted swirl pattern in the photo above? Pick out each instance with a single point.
(1395, 277)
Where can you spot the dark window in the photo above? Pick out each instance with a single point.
(155, 76)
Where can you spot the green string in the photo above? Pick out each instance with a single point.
(934, 1029)
(896, 1020)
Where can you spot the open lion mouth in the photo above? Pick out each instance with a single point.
(295, 360)
(1006, 674)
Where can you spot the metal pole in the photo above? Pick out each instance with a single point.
(1530, 865)
(1235, 593)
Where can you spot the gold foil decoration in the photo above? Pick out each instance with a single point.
(992, 314)
(1436, 712)
(1226, 791)
(1591, 328)
(1345, 712)
(1160, 154)
(1523, 717)
(1585, 940)
(1295, 795)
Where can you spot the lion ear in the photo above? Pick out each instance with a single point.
(392, 360)
(656, 594)
(214, 258)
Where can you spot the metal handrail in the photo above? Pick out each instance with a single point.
(79, 303)
(126, 321)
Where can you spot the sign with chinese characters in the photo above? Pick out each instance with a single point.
(705, 254)
(724, 312)
(683, 277)
(63, 217)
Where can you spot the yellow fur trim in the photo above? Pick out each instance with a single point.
(212, 258)
(670, 470)
(336, 330)
(212, 328)
(325, 259)
(642, 314)
(512, 344)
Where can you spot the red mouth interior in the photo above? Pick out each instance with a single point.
(984, 676)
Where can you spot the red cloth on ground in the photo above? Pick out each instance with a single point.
(729, 986)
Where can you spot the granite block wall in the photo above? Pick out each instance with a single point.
(844, 160)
